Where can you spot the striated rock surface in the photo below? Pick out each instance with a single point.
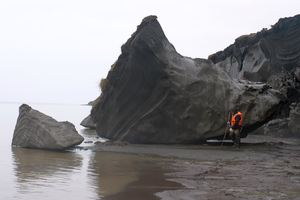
(155, 95)
(37, 130)
(259, 56)
(270, 56)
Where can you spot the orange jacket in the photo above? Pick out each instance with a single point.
(233, 119)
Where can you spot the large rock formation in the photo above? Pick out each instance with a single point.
(270, 56)
(155, 95)
(37, 130)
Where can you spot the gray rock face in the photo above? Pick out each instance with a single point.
(259, 56)
(294, 120)
(277, 127)
(37, 130)
(283, 127)
(88, 122)
(155, 95)
(270, 56)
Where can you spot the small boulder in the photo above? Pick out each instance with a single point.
(154, 95)
(88, 123)
(37, 130)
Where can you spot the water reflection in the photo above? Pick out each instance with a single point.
(126, 177)
(42, 174)
(111, 172)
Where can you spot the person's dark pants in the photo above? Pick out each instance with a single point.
(235, 137)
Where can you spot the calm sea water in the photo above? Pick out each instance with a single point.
(78, 174)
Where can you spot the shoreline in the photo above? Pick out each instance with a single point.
(255, 144)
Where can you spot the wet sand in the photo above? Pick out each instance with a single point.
(263, 168)
(152, 179)
(127, 176)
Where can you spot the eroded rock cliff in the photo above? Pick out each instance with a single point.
(259, 56)
(155, 95)
(270, 56)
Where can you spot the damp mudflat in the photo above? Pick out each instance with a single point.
(263, 168)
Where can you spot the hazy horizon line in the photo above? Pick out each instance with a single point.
(42, 103)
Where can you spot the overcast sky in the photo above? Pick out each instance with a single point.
(57, 51)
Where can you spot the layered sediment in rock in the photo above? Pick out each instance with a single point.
(155, 95)
(270, 56)
(258, 56)
(37, 130)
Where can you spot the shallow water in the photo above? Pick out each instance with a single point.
(74, 174)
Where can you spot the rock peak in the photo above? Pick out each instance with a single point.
(155, 95)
